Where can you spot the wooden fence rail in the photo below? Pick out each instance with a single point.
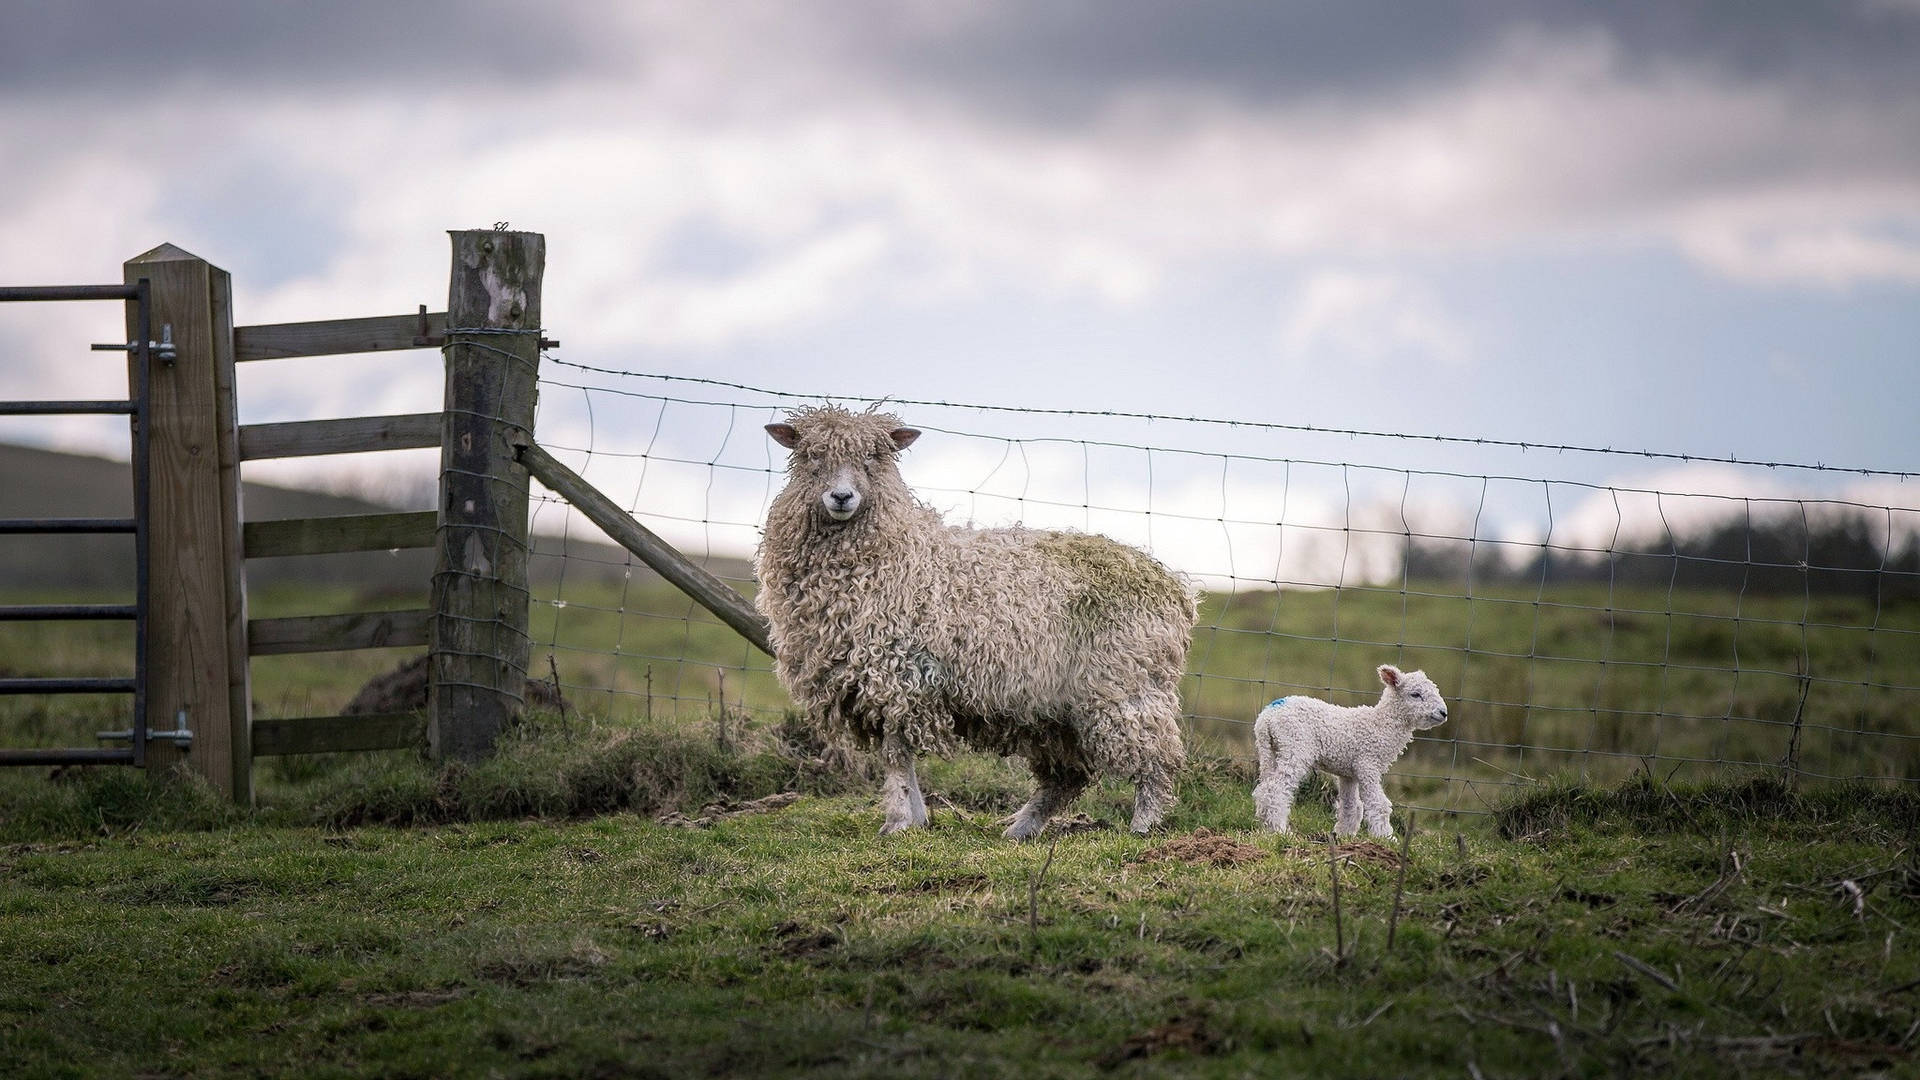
(476, 622)
(353, 435)
(689, 577)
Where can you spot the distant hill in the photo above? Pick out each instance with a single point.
(44, 483)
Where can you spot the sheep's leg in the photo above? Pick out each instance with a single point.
(916, 803)
(1379, 809)
(1152, 797)
(1056, 788)
(1347, 810)
(900, 798)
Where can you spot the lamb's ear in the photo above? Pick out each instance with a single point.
(903, 437)
(784, 435)
(1389, 674)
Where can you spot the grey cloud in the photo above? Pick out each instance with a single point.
(1043, 61)
(1058, 59)
(257, 46)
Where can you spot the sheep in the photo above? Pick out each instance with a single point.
(1295, 735)
(910, 636)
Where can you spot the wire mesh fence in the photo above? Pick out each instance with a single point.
(1708, 616)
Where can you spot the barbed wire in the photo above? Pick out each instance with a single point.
(1260, 425)
(1635, 662)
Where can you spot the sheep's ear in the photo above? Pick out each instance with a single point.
(903, 437)
(784, 435)
(1389, 674)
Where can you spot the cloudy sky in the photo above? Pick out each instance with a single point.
(1684, 227)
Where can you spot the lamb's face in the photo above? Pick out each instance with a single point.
(1415, 695)
(840, 457)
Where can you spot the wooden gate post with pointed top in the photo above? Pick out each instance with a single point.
(197, 611)
(479, 641)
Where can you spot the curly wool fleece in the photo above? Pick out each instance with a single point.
(1358, 744)
(911, 636)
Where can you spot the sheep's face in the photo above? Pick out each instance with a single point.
(1415, 696)
(839, 457)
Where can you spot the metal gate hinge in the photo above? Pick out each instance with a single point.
(180, 736)
(162, 349)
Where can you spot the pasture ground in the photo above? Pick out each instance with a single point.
(535, 916)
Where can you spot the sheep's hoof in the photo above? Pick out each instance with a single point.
(1144, 824)
(1024, 829)
(891, 827)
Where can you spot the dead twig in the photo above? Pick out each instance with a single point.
(1901, 989)
(1646, 969)
(1730, 872)
(1400, 882)
(1376, 1014)
(1339, 931)
(1033, 895)
(949, 804)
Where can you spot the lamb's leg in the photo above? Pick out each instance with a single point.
(1347, 810)
(1379, 809)
(900, 798)
(1057, 786)
(1273, 795)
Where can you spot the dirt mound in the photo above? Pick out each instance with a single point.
(1069, 824)
(404, 690)
(720, 811)
(1203, 845)
(1188, 1033)
(1367, 851)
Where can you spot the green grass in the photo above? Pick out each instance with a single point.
(1686, 931)
(530, 916)
(1582, 681)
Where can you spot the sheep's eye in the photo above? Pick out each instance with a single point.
(1414, 693)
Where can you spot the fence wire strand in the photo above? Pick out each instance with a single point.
(1624, 627)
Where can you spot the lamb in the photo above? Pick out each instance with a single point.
(1295, 735)
(911, 636)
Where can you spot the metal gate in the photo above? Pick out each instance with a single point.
(143, 349)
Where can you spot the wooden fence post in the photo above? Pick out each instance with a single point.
(479, 638)
(195, 608)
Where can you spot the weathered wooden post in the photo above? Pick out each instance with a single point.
(479, 639)
(196, 620)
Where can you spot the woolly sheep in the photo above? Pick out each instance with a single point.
(1295, 735)
(911, 636)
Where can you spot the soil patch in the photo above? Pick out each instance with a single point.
(720, 811)
(1188, 1033)
(1077, 823)
(1203, 845)
(1366, 851)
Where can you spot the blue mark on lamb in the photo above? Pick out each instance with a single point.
(1355, 744)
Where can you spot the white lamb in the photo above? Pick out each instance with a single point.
(1295, 735)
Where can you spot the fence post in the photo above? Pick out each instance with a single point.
(193, 515)
(479, 641)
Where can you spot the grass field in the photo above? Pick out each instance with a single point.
(585, 905)
(1581, 681)
(1733, 930)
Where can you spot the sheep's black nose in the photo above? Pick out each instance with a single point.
(841, 498)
